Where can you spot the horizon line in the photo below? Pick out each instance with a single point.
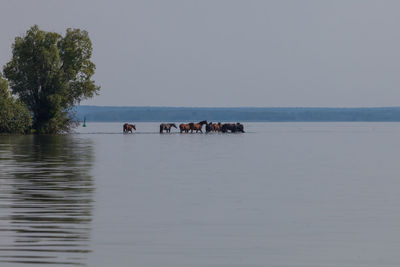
(247, 107)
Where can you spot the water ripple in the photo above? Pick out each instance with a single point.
(46, 196)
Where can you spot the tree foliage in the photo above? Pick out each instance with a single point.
(14, 115)
(51, 73)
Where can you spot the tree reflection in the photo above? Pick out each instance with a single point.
(49, 191)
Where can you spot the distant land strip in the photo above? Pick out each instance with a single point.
(240, 114)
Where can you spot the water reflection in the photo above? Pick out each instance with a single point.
(46, 195)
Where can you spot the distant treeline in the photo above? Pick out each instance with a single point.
(177, 114)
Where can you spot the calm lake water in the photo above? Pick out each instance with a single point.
(282, 194)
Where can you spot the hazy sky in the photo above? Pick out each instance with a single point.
(228, 53)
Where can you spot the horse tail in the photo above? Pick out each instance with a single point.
(161, 128)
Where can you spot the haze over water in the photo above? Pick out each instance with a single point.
(282, 194)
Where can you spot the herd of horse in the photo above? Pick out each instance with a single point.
(194, 127)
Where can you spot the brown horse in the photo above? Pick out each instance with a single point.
(166, 127)
(197, 126)
(129, 127)
(216, 127)
(213, 127)
(183, 127)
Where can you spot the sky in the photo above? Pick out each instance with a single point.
(228, 53)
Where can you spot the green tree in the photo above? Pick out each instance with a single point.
(14, 115)
(51, 73)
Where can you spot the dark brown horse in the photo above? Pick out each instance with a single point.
(197, 126)
(233, 127)
(209, 127)
(129, 127)
(166, 127)
(183, 127)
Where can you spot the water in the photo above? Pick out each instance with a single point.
(282, 194)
